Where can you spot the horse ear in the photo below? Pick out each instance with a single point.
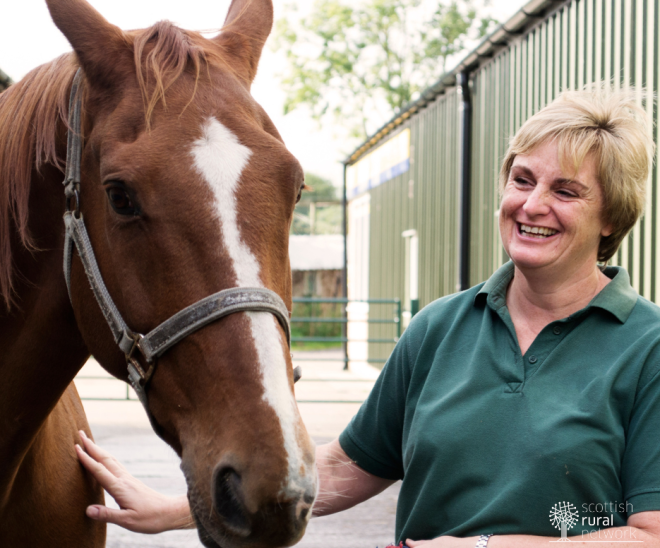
(244, 33)
(99, 45)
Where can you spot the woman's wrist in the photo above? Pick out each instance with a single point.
(179, 516)
(482, 541)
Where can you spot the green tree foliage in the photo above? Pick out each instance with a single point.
(319, 209)
(363, 61)
(318, 190)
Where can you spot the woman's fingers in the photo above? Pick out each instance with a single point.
(100, 472)
(102, 456)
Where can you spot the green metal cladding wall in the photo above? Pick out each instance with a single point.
(583, 42)
(425, 198)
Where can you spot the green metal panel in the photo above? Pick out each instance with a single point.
(426, 198)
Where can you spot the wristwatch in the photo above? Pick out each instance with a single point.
(483, 541)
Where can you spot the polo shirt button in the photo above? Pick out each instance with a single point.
(532, 359)
(556, 330)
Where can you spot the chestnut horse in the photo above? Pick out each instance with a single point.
(186, 190)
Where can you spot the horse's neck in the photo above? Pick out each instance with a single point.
(42, 348)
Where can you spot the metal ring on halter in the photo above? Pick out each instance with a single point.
(76, 195)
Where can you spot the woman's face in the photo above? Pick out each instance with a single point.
(551, 219)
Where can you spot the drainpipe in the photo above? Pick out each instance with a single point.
(465, 146)
(344, 281)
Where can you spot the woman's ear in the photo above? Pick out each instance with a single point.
(606, 230)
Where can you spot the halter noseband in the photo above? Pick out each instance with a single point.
(171, 331)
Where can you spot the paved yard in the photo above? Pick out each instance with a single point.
(122, 428)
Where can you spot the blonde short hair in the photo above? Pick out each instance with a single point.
(613, 127)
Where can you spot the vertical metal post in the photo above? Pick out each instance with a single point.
(465, 144)
(344, 282)
(399, 318)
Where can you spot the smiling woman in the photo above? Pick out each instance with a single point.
(548, 219)
(602, 135)
(573, 185)
(540, 385)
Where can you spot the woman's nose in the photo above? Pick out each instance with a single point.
(537, 202)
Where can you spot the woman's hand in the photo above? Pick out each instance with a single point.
(443, 542)
(141, 509)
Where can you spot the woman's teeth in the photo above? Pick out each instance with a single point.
(537, 231)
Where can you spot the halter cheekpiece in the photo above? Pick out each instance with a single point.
(171, 331)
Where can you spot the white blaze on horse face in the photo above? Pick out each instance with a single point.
(220, 158)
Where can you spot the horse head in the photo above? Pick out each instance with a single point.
(187, 189)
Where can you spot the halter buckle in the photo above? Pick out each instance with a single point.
(136, 373)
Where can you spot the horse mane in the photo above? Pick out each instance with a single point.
(32, 110)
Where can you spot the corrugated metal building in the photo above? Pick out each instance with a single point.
(422, 192)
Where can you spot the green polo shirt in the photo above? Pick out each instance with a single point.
(487, 440)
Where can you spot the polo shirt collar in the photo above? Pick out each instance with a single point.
(618, 297)
(494, 290)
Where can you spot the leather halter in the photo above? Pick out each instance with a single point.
(155, 343)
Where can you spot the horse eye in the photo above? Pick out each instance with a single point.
(121, 201)
(303, 187)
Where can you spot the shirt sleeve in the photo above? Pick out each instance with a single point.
(373, 439)
(641, 460)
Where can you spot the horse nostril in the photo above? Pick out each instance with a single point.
(228, 499)
(302, 509)
(309, 498)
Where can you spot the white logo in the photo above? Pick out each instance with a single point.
(564, 516)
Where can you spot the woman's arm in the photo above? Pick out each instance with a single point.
(342, 484)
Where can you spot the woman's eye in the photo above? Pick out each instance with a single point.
(121, 201)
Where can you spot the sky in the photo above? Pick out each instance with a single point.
(29, 38)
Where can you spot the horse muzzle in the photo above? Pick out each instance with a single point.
(237, 520)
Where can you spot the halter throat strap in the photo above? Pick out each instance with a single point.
(137, 347)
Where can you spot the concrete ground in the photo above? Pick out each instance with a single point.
(122, 428)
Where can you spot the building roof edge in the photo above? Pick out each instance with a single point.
(502, 36)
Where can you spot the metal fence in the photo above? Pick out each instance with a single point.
(317, 323)
(387, 319)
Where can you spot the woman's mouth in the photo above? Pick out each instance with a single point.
(539, 232)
